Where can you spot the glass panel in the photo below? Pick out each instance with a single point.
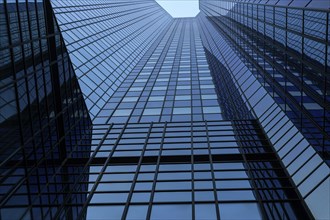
(205, 211)
(171, 212)
(239, 211)
(105, 212)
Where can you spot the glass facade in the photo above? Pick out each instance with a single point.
(172, 84)
(44, 121)
(106, 39)
(112, 109)
(197, 169)
(286, 48)
(255, 43)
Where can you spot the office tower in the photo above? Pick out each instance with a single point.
(188, 117)
(285, 45)
(107, 36)
(45, 125)
(287, 50)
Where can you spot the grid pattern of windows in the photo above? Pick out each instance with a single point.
(43, 117)
(145, 169)
(105, 40)
(272, 40)
(309, 171)
(184, 127)
(174, 83)
(230, 99)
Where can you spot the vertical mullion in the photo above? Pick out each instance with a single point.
(12, 57)
(215, 193)
(192, 50)
(286, 61)
(47, 111)
(87, 165)
(136, 173)
(302, 69)
(65, 110)
(36, 91)
(25, 77)
(97, 181)
(46, 130)
(55, 77)
(156, 173)
(192, 170)
(326, 77)
(250, 174)
(15, 82)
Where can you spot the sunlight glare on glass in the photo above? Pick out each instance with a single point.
(180, 8)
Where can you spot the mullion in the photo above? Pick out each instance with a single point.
(279, 88)
(136, 174)
(193, 49)
(87, 164)
(117, 79)
(159, 61)
(36, 9)
(250, 174)
(11, 193)
(217, 209)
(152, 193)
(37, 95)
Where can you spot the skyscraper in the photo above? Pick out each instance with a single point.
(115, 110)
(45, 125)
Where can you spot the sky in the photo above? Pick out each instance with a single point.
(180, 8)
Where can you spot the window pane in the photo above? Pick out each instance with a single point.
(205, 211)
(211, 110)
(123, 112)
(239, 211)
(136, 212)
(169, 212)
(181, 111)
(105, 212)
(152, 111)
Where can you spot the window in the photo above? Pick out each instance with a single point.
(182, 97)
(207, 86)
(183, 87)
(156, 98)
(171, 212)
(211, 110)
(239, 211)
(105, 212)
(136, 89)
(205, 211)
(122, 112)
(130, 99)
(181, 111)
(137, 212)
(160, 88)
(152, 111)
(209, 96)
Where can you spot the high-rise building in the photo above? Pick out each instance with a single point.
(112, 109)
(44, 122)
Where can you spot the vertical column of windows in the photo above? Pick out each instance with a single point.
(178, 73)
(283, 52)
